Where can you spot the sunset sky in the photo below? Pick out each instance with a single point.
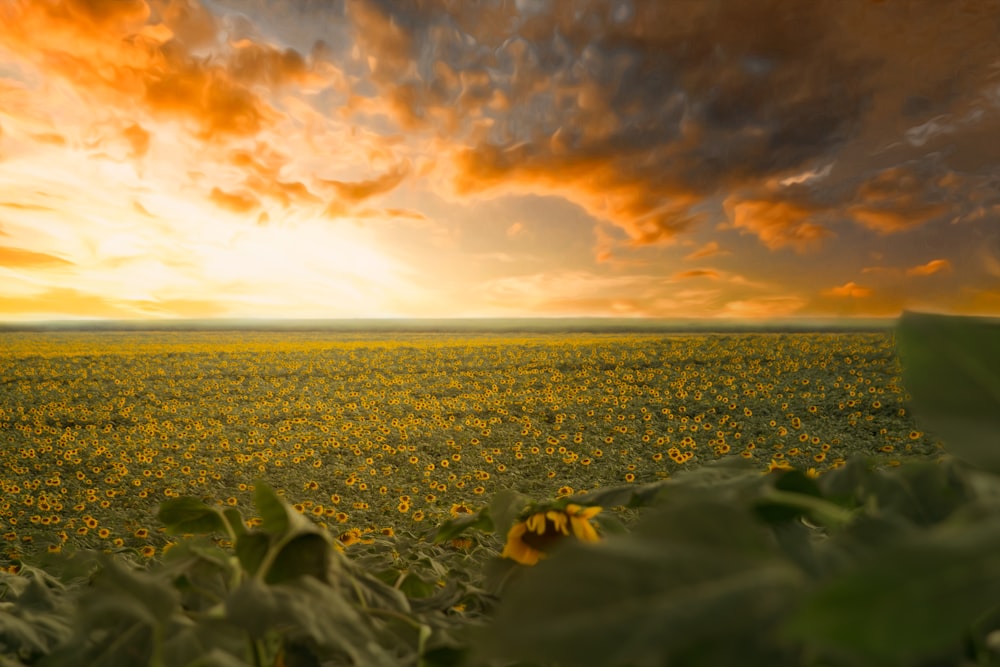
(451, 158)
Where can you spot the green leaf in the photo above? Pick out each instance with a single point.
(915, 597)
(373, 592)
(251, 550)
(279, 518)
(202, 572)
(21, 636)
(951, 368)
(609, 524)
(307, 609)
(415, 587)
(443, 656)
(217, 658)
(627, 495)
(797, 481)
(235, 521)
(121, 591)
(791, 485)
(452, 528)
(708, 524)
(504, 509)
(926, 492)
(121, 619)
(191, 644)
(692, 572)
(631, 602)
(779, 506)
(190, 515)
(306, 554)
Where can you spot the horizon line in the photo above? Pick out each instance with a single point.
(458, 324)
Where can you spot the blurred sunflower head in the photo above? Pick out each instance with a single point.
(530, 539)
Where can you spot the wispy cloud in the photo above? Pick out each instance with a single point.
(19, 257)
(850, 290)
(930, 268)
(709, 249)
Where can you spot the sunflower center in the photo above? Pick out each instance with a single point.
(543, 541)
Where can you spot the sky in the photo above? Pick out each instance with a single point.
(499, 158)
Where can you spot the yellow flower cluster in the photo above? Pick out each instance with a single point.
(364, 433)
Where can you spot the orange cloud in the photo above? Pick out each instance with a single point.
(68, 302)
(351, 193)
(62, 302)
(131, 56)
(697, 273)
(358, 191)
(777, 223)
(930, 268)
(138, 139)
(710, 249)
(602, 184)
(405, 213)
(235, 202)
(515, 229)
(25, 207)
(886, 221)
(189, 22)
(849, 290)
(896, 200)
(18, 257)
(179, 307)
(51, 138)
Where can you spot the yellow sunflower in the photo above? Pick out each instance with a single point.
(530, 539)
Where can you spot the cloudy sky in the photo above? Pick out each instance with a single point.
(451, 158)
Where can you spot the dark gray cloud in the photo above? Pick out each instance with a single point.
(661, 105)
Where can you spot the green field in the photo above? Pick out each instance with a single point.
(396, 432)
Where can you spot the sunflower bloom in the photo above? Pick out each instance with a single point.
(579, 521)
(517, 548)
(778, 465)
(530, 539)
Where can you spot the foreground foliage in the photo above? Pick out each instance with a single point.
(720, 565)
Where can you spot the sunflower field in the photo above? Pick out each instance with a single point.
(209, 498)
(370, 436)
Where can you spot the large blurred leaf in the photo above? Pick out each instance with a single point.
(691, 574)
(251, 550)
(191, 643)
(122, 591)
(707, 524)
(217, 658)
(626, 495)
(794, 495)
(306, 554)
(630, 602)
(35, 613)
(452, 528)
(306, 609)
(920, 595)
(121, 619)
(504, 509)
(202, 572)
(951, 368)
(190, 515)
(278, 516)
